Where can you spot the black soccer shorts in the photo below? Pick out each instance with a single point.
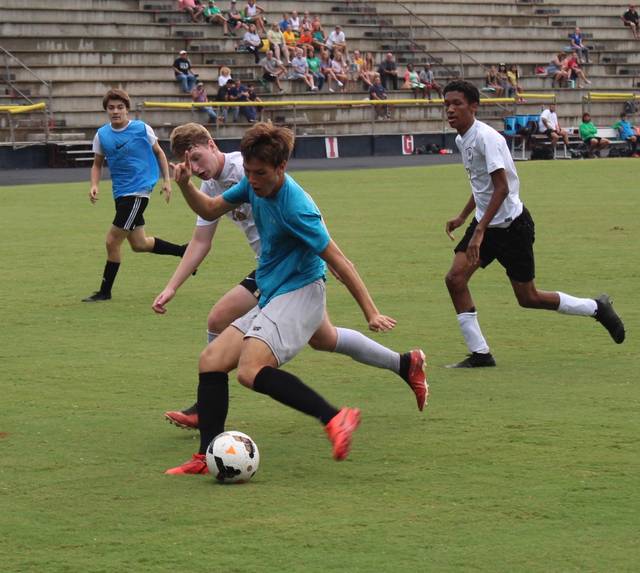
(513, 247)
(129, 212)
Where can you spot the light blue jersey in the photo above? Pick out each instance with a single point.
(292, 234)
(132, 162)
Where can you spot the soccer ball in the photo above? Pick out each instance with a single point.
(232, 457)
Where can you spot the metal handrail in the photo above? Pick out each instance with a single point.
(12, 110)
(7, 54)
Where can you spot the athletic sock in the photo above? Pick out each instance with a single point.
(211, 336)
(573, 305)
(291, 391)
(362, 349)
(108, 276)
(471, 332)
(213, 405)
(161, 247)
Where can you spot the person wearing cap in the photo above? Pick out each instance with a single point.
(184, 72)
(199, 95)
(212, 14)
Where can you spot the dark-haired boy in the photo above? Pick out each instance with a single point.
(132, 151)
(502, 229)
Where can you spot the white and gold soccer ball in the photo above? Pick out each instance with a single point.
(232, 457)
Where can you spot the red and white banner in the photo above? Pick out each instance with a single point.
(331, 145)
(407, 145)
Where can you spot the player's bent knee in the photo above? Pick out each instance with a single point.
(246, 376)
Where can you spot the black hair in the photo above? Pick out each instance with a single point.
(471, 93)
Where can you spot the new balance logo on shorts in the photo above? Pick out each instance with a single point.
(257, 328)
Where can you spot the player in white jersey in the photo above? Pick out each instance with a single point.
(502, 229)
(218, 172)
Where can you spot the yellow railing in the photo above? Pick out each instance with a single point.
(12, 109)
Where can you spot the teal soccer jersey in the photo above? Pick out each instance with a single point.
(292, 233)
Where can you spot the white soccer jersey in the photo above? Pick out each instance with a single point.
(484, 151)
(242, 216)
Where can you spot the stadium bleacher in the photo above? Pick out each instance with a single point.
(84, 47)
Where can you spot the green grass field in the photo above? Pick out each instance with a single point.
(531, 466)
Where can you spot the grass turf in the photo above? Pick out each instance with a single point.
(531, 466)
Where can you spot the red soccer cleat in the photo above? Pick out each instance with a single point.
(196, 465)
(340, 431)
(182, 420)
(417, 377)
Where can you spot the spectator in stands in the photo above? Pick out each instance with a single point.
(327, 69)
(412, 82)
(318, 35)
(213, 15)
(285, 23)
(224, 75)
(252, 14)
(589, 134)
(235, 19)
(251, 42)
(184, 72)
(558, 71)
(199, 95)
(355, 65)
(294, 23)
(377, 92)
(628, 133)
(304, 39)
(579, 47)
(367, 71)
(306, 24)
(339, 68)
(337, 42)
(233, 93)
(575, 71)
(290, 39)
(429, 81)
(388, 71)
(300, 69)
(514, 82)
(492, 82)
(192, 8)
(273, 70)
(550, 126)
(222, 95)
(248, 111)
(314, 67)
(277, 43)
(631, 19)
(503, 79)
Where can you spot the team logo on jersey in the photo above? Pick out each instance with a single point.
(469, 152)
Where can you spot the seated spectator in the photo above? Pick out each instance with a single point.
(314, 67)
(388, 71)
(224, 75)
(514, 89)
(294, 23)
(579, 47)
(249, 111)
(558, 71)
(192, 8)
(631, 19)
(339, 68)
(305, 39)
(319, 38)
(277, 43)
(355, 65)
(550, 126)
(627, 132)
(284, 24)
(306, 24)
(252, 14)
(199, 95)
(575, 71)
(252, 43)
(235, 19)
(589, 134)
(213, 15)
(492, 81)
(367, 71)
(412, 82)
(184, 72)
(300, 69)
(337, 42)
(233, 93)
(429, 81)
(223, 95)
(326, 67)
(273, 70)
(377, 92)
(504, 80)
(290, 39)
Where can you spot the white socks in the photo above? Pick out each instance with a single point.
(363, 349)
(572, 305)
(471, 332)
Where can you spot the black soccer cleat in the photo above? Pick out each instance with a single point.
(97, 296)
(475, 360)
(608, 318)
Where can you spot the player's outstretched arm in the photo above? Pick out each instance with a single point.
(164, 169)
(209, 208)
(96, 170)
(350, 277)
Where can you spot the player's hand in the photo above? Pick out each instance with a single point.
(182, 171)
(93, 194)
(381, 323)
(473, 248)
(162, 299)
(452, 225)
(166, 190)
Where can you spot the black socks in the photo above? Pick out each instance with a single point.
(213, 405)
(108, 276)
(161, 247)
